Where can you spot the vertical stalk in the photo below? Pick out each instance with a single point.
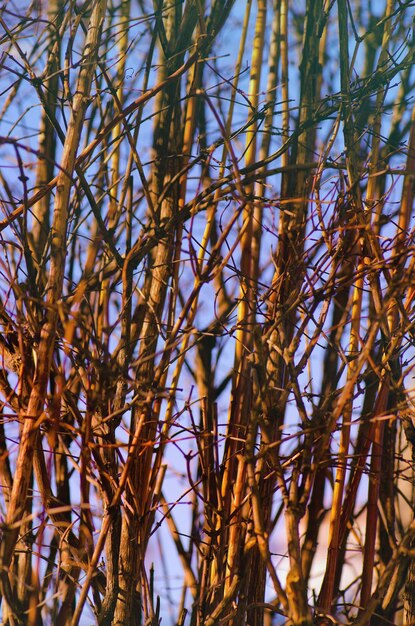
(334, 542)
(241, 392)
(47, 135)
(32, 415)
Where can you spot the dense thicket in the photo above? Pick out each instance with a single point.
(207, 280)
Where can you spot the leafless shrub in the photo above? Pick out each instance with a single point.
(207, 285)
